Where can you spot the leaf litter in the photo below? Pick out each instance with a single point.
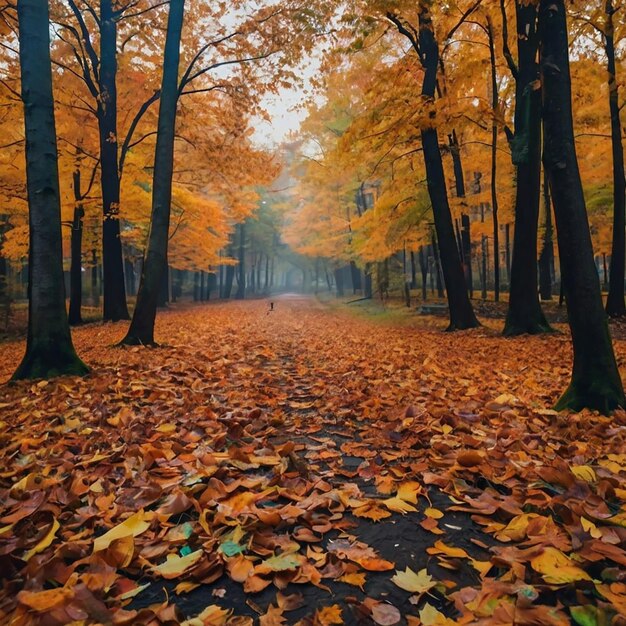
(309, 467)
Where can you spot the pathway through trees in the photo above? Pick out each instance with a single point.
(306, 450)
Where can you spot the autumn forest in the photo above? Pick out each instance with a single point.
(312, 312)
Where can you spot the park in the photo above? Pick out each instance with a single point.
(312, 313)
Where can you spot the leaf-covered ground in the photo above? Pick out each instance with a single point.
(309, 466)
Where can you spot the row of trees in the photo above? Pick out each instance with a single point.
(408, 95)
(187, 173)
(441, 113)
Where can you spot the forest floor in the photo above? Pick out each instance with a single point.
(311, 465)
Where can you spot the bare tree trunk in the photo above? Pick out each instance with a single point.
(460, 309)
(155, 264)
(524, 314)
(76, 246)
(115, 307)
(615, 303)
(49, 348)
(596, 382)
(494, 161)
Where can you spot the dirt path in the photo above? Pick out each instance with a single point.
(347, 448)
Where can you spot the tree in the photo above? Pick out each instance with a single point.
(524, 313)
(49, 348)
(141, 329)
(616, 303)
(595, 382)
(461, 312)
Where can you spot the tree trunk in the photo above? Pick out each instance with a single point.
(413, 271)
(115, 307)
(76, 273)
(437, 267)
(461, 312)
(424, 272)
(494, 162)
(368, 291)
(339, 282)
(546, 258)
(596, 382)
(355, 274)
(615, 303)
(524, 314)
(228, 282)
(241, 274)
(465, 246)
(49, 348)
(141, 329)
(467, 252)
(76, 247)
(95, 287)
(129, 271)
(507, 252)
(163, 297)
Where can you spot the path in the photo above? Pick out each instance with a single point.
(305, 433)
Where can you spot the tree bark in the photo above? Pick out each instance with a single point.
(241, 274)
(339, 282)
(95, 287)
(546, 258)
(524, 314)
(460, 309)
(615, 303)
(76, 245)
(596, 382)
(494, 162)
(141, 329)
(424, 271)
(49, 348)
(115, 307)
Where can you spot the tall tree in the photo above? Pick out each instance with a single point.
(141, 329)
(99, 70)
(616, 303)
(524, 313)
(49, 348)
(595, 382)
(461, 312)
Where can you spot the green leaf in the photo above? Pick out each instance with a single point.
(230, 548)
(585, 615)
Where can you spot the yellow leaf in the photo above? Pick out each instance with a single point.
(482, 566)
(441, 548)
(133, 592)
(371, 511)
(44, 601)
(591, 528)
(213, 615)
(556, 568)
(357, 579)
(176, 565)
(166, 428)
(133, 526)
(584, 472)
(409, 491)
(430, 616)
(434, 513)
(419, 582)
(44, 543)
(185, 587)
(328, 615)
(398, 505)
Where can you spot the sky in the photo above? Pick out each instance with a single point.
(285, 119)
